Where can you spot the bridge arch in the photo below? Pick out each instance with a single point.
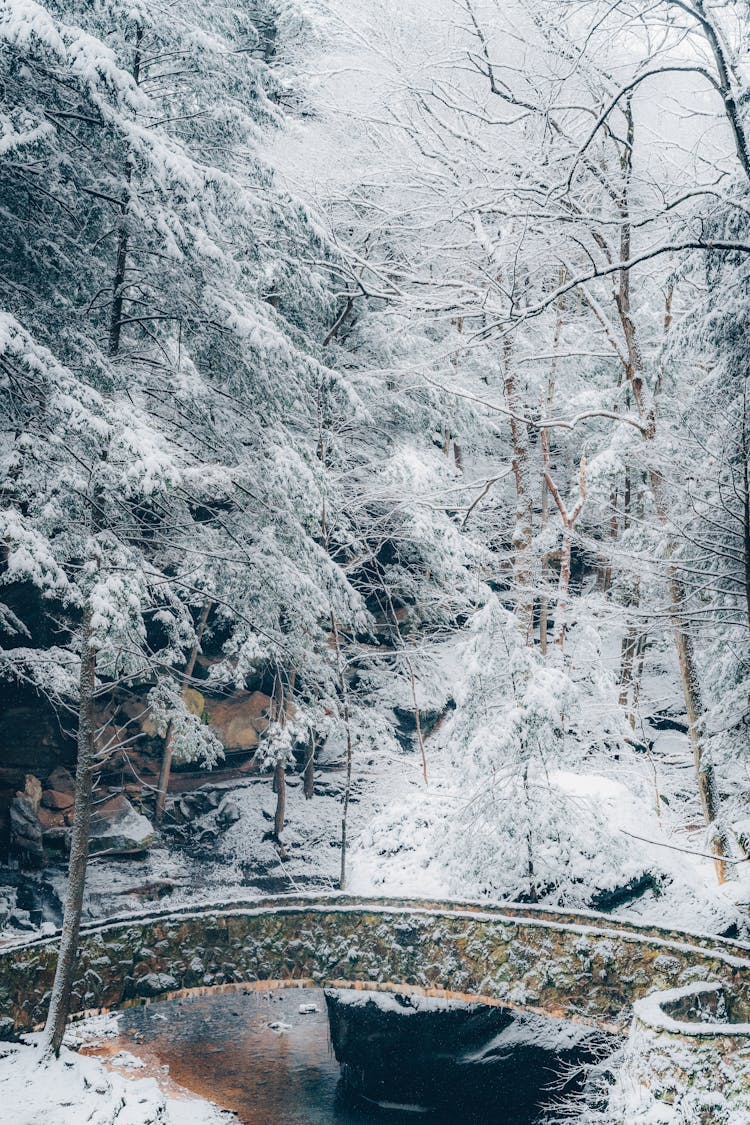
(586, 967)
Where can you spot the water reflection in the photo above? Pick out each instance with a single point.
(253, 1053)
(258, 1054)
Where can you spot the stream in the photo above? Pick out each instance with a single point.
(260, 1055)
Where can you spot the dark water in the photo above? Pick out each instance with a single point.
(223, 1047)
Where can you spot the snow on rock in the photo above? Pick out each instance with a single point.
(116, 827)
(92, 1030)
(127, 1061)
(405, 1004)
(532, 1031)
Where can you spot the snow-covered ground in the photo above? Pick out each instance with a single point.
(75, 1089)
(628, 813)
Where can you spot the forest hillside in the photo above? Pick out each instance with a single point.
(375, 502)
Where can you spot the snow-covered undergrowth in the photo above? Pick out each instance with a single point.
(76, 1088)
(538, 791)
(659, 1081)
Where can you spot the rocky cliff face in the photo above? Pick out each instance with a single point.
(440, 1055)
(37, 761)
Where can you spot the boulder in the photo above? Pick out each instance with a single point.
(137, 715)
(59, 792)
(228, 812)
(49, 818)
(57, 839)
(61, 780)
(25, 829)
(238, 721)
(117, 829)
(58, 802)
(21, 920)
(33, 789)
(194, 701)
(6, 907)
(155, 984)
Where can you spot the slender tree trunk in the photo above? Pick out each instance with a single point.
(347, 794)
(59, 1005)
(544, 561)
(279, 771)
(344, 690)
(309, 775)
(417, 717)
(123, 235)
(627, 662)
(118, 282)
(279, 818)
(726, 86)
(640, 657)
(632, 600)
(523, 525)
(746, 509)
(563, 588)
(704, 772)
(533, 896)
(349, 749)
(165, 773)
(569, 520)
(606, 581)
(168, 752)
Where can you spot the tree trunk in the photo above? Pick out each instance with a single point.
(640, 658)
(347, 792)
(309, 775)
(279, 769)
(533, 896)
(59, 1004)
(746, 509)
(563, 586)
(551, 382)
(569, 520)
(523, 525)
(704, 771)
(417, 718)
(279, 779)
(123, 236)
(349, 748)
(165, 773)
(627, 659)
(168, 752)
(606, 576)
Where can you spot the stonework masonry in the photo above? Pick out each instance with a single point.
(584, 967)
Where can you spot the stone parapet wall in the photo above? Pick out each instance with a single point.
(589, 970)
(686, 1060)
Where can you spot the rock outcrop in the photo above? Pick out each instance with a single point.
(117, 829)
(388, 1046)
(26, 830)
(41, 819)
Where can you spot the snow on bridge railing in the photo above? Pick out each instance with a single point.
(582, 920)
(584, 966)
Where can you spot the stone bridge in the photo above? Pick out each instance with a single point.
(585, 967)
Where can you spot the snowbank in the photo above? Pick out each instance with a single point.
(76, 1088)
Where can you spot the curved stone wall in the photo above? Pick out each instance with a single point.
(585, 967)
